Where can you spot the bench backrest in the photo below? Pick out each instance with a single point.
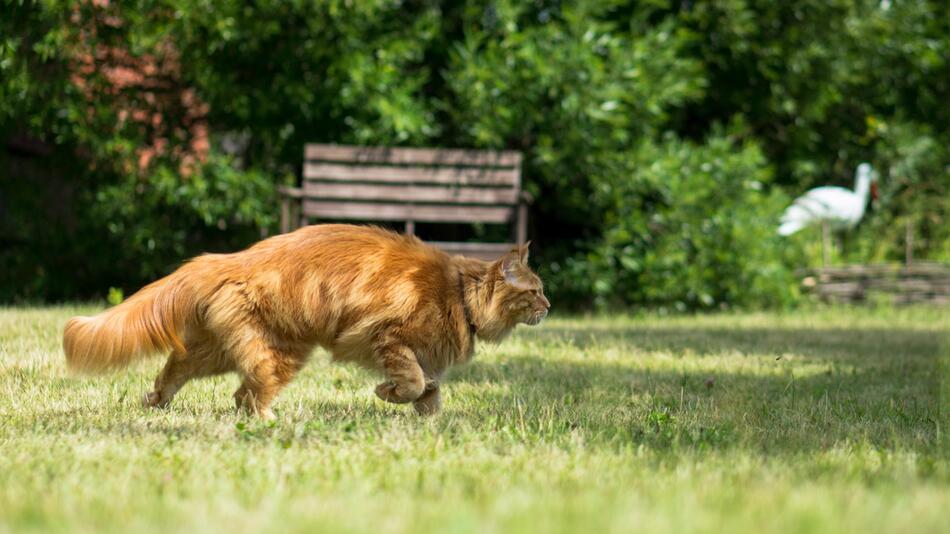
(410, 184)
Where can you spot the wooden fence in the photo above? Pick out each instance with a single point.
(901, 284)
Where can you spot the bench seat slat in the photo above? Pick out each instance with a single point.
(437, 175)
(410, 193)
(410, 185)
(370, 211)
(412, 156)
(482, 251)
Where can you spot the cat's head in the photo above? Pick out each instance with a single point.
(518, 293)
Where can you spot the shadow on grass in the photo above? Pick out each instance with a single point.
(832, 387)
(879, 387)
(832, 343)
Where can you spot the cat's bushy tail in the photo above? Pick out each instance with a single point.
(150, 321)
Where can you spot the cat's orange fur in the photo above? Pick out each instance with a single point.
(386, 301)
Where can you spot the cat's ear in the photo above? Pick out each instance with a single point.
(518, 254)
(513, 269)
(510, 262)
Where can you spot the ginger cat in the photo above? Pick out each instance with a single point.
(386, 301)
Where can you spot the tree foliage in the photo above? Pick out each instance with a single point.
(662, 138)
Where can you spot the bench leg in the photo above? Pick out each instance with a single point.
(522, 229)
(284, 215)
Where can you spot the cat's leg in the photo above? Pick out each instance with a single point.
(431, 400)
(266, 371)
(201, 359)
(172, 377)
(406, 381)
(262, 384)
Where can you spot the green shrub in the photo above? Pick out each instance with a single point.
(691, 227)
(165, 215)
(914, 190)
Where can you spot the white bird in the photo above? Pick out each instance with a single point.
(837, 207)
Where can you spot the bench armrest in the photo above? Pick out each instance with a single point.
(289, 192)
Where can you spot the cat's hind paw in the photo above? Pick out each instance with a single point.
(153, 399)
(429, 403)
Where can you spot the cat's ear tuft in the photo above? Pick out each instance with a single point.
(519, 253)
(523, 252)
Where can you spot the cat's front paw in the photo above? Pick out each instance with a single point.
(399, 393)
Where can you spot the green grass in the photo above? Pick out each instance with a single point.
(816, 421)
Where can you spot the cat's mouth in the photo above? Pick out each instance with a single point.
(536, 318)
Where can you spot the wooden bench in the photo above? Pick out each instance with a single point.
(410, 185)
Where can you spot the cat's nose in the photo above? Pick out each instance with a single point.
(545, 302)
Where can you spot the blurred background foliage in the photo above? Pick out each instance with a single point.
(662, 138)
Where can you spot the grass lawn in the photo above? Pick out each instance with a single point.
(814, 421)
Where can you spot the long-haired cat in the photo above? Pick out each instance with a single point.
(386, 301)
